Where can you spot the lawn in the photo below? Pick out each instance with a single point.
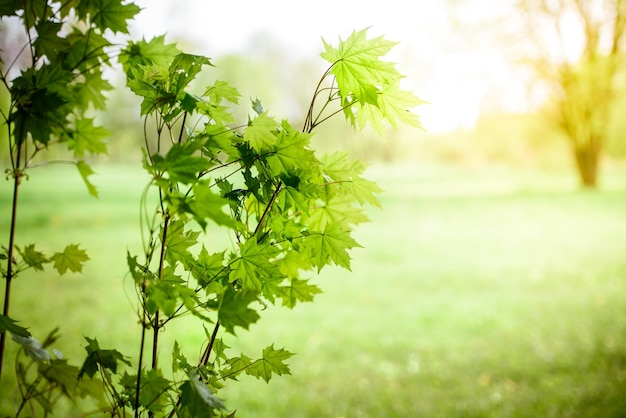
(479, 293)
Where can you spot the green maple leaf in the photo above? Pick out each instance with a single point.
(358, 68)
(207, 266)
(62, 374)
(196, 399)
(97, 357)
(291, 198)
(208, 205)
(180, 163)
(339, 209)
(260, 133)
(48, 42)
(168, 293)
(221, 90)
(108, 14)
(32, 257)
(154, 390)
(178, 242)
(183, 70)
(91, 90)
(9, 325)
(87, 137)
(273, 361)
(299, 291)
(331, 246)
(236, 366)
(340, 167)
(290, 154)
(144, 53)
(393, 105)
(72, 258)
(253, 265)
(365, 191)
(234, 310)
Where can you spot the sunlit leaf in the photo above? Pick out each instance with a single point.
(72, 259)
(272, 362)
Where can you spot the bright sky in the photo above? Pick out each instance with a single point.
(442, 65)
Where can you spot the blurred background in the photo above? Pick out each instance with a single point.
(492, 283)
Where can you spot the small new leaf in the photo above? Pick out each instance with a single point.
(32, 257)
(72, 259)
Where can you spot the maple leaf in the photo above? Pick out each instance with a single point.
(221, 90)
(393, 105)
(339, 166)
(97, 357)
(48, 42)
(209, 205)
(64, 375)
(338, 209)
(207, 266)
(331, 246)
(142, 53)
(365, 191)
(273, 361)
(72, 258)
(357, 66)
(290, 154)
(253, 265)
(178, 242)
(299, 291)
(234, 310)
(291, 197)
(108, 14)
(87, 137)
(32, 257)
(260, 133)
(180, 163)
(91, 90)
(154, 388)
(9, 7)
(196, 399)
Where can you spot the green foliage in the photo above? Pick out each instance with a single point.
(52, 103)
(288, 212)
(258, 185)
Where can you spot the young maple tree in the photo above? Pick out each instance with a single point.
(287, 211)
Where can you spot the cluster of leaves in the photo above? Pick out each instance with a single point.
(55, 82)
(288, 211)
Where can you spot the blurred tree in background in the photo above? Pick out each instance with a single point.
(576, 48)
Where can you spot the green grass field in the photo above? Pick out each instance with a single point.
(481, 293)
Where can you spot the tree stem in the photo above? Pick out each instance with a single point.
(155, 324)
(17, 176)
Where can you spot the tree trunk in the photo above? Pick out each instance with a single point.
(587, 163)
